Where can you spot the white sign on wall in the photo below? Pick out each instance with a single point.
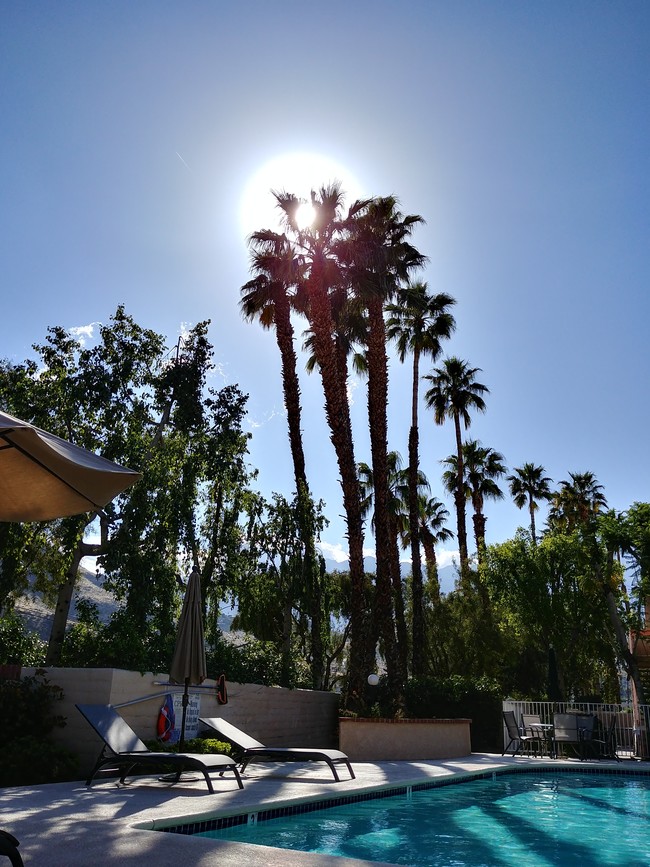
(191, 719)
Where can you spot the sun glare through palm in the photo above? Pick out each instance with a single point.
(305, 215)
(297, 173)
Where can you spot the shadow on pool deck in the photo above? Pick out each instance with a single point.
(68, 824)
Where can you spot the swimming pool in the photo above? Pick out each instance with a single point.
(531, 819)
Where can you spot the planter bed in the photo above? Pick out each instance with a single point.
(375, 740)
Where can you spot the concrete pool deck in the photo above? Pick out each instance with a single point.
(68, 824)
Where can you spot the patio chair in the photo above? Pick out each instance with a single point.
(252, 750)
(572, 730)
(532, 725)
(127, 752)
(518, 737)
(603, 741)
(9, 847)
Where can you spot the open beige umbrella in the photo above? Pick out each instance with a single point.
(43, 476)
(188, 663)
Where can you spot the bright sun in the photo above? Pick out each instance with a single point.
(296, 173)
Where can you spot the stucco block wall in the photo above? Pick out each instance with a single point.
(373, 740)
(274, 715)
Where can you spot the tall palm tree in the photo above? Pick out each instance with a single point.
(432, 519)
(321, 283)
(418, 323)
(577, 501)
(379, 258)
(529, 485)
(454, 392)
(483, 466)
(270, 297)
(397, 484)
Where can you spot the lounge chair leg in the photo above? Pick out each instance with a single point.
(333, 770)
(9, 847)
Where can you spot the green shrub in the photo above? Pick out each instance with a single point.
(120, 643)
(478, 699)
(17, 646)
(29, 761)
(194, 745)
(27, 721)
(254, 662)
(28, 707)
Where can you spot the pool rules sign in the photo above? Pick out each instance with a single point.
(170, 718)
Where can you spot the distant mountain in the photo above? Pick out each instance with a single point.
(446, 574)
(37, 616)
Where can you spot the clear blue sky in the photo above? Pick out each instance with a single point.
(133, 143)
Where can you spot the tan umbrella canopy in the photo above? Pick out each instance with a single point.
(43, 476)
(188, 663)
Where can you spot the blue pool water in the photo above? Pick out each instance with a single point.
(518, 820)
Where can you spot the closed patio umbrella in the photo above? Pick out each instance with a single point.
(43, 476)
(188, 663)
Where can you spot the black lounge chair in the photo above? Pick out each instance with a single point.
(254, 750)
(128, 752)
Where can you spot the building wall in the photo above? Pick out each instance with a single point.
(274, 715)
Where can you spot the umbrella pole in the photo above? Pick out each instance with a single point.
(174, 778)
(186, 701)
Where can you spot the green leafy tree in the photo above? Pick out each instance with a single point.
(132, 401)
(549, 596)
(17, 645)
(273, 596)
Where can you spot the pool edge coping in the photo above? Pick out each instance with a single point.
(292, 806)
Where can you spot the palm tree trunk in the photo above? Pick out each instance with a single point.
(377, 417)
(291, 388)
(398, 596)
(417, 593)
(531, 508)
(479, 519)
(459, 499)
(338, 419)
(432, 569)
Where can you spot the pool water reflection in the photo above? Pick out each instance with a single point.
(522, 819)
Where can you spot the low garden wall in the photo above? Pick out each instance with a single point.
(274, 715)
(376, 740)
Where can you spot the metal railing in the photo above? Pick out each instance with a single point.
(632, 725)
